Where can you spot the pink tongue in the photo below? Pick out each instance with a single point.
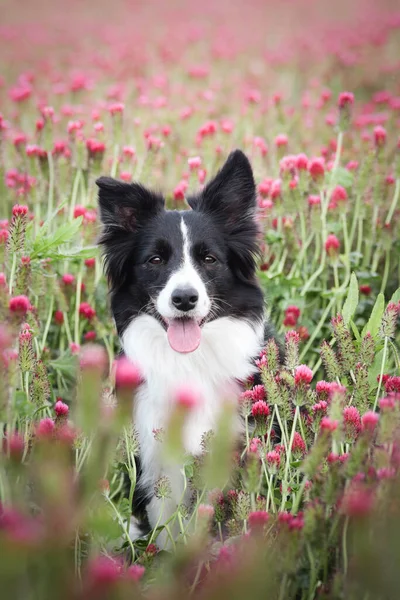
(184, 335)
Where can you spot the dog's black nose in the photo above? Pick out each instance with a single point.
(185, 298)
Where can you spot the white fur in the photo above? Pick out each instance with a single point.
(224, 356)
(185, 277)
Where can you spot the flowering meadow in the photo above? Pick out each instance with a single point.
(160, 92)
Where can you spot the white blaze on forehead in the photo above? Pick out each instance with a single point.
(186, 276)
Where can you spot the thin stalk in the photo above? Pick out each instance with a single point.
(378, 391)
(393, 205)
(48, 323)
(121, 522)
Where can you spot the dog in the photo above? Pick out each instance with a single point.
(187, 306)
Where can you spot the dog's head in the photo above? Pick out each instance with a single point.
(184, 268)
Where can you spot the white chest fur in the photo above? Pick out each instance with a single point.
(226, 354)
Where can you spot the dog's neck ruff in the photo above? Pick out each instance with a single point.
(225, 357)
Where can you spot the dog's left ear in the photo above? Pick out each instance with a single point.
(230, 200)
(231, 195)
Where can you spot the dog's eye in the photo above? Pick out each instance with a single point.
(156, 260)
(209, 259)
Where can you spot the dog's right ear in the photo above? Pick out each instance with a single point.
(124, 209)
(124, 206)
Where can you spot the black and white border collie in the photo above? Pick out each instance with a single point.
(186, 303)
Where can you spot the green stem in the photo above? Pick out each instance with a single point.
(385, 348)
(153, 533)
(50, 199)
(288, 456)
(12, 274)
(121, 522)
(48, 323)
(344, 545)
(385, 271)
(318, 328)
(77, 303)
(394, 202)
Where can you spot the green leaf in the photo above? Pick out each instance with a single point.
(73, 253)
(272, 236)
(342, 177)
(66, 365)
(376, 317)
(396, 296)
(349, 307)
(124, 508)
(355, 330)
(42, 245)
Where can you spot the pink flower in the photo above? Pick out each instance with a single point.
(79, 211)
(369, 421)
(281, 140)
(293, 310)
(352, 421)
(93, 357)
(365, 289)
(303, 375)
(127, 374)
(320, 407)
(316, 167)
(258, 393)
(19, 305)
(205, 512)
(289, 320)
(103, 572)
(45, 428)
(380, 136)
(95, 147)
(323, 388)
(358, 500)
(61, 409)
(387, 403)
(332, 245)
(75, 348)
(345, 99)
(87, 311)
(194, 163)
(59, 317)
(19, 210)
(273, 459)
(90, 263)
(135, 572)
(328, 424)
(116, 107)
(392, 384)
(129, 151)
(292, 336)
(187, 397)
(68, 279)
(339, 194)
(298, 444)
(15, 445)
(254, 445)
(90, 336)
(180, 189)
(301, 162)
(260, 409)
(314, 200)
(257, 519)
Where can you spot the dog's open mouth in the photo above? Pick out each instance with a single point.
(184, 335)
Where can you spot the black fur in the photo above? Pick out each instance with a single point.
(136, 226)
